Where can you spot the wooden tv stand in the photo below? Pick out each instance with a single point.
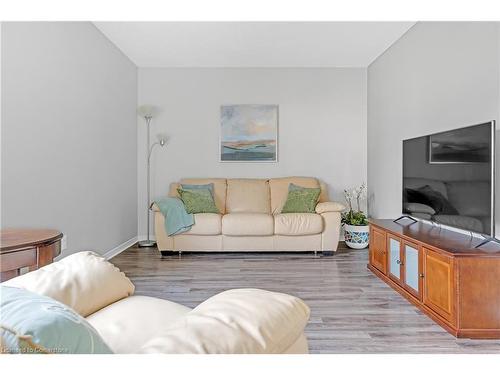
(442, 273)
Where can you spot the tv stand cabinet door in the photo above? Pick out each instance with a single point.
(378, 256)
(439, 284)
(394, 269)
(412, 269)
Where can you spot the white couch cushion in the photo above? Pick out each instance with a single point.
(127, 325)
(247, 195)
(83, 281)
(206, 225)
(236, 321)
(297, 224)
(247, 224)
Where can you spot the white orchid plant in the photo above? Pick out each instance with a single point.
(355, 217)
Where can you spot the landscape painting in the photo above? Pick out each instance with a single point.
(249, 133)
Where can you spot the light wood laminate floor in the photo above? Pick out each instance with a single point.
(352, 311)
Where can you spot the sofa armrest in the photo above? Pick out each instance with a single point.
(238, 321)
(329, 207)
(84, 281)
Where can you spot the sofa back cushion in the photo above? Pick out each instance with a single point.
(84, 281)
(248, 195)
(247, 224)
(219, 189)
(298, 224)
(279, 190)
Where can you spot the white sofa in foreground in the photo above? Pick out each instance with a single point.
(247, 321)
(250, 219)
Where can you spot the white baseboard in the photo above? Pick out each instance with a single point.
(120, 248)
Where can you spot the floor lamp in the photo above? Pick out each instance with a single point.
(147, 112)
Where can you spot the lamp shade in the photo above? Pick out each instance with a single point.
(146, 110)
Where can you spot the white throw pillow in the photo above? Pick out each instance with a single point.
(237, 321)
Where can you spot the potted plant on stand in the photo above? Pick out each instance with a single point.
(355, 223)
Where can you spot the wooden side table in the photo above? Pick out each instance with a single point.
(33, 248)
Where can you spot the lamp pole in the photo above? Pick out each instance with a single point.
(148, 242)
(147, 111)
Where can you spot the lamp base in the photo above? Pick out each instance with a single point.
(146, 243)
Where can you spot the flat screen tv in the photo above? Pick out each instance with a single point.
(448, 178)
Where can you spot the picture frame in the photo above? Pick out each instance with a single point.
(249, 133)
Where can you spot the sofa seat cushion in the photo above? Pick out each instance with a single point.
(238, 321)
(125, 326)
(206, 225)
(248, 224)
(298, 224)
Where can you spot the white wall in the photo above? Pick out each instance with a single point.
(69, 137)
(322, 124)
(438, 76)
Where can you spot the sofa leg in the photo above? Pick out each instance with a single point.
(315, 252)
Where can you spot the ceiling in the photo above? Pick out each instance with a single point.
(253, 44)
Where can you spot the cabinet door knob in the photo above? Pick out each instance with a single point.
(398, 261)
(421, 275)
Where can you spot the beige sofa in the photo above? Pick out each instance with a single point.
(250, 219)
(235, 321)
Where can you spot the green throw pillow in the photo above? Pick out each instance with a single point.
(301, 199)
(205, 186)
(198, 201)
